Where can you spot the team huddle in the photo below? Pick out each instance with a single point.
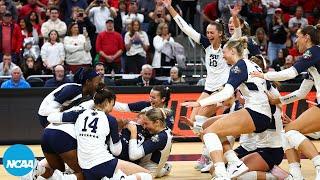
(81, 140)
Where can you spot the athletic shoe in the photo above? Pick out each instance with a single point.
(279, 173)
(207, 168)
(34, 173)
(221, 177)
(317, 173)
(290, 177)
(202, 162)
(167, 167)
(236, 169)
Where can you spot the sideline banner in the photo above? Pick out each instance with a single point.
(180, 129)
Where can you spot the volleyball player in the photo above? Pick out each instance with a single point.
(154, 152)
(93, 128)
(256, 115)
(159, 97)
(86, 81)
(217, 68)
(308, 44)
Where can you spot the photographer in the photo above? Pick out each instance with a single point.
(99, 11)
(132, 15)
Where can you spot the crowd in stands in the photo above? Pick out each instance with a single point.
(56, 37)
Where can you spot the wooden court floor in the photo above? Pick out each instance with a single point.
(182, 159)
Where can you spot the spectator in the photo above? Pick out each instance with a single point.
(59, 77)
(30, 66)
(30, 38)
(189, 10)
(262, 40)
(297, 22)
(54, 23)
(67, 6)
(146, 6)
(6, 65)
(110, 47)
(16, 80)
(85, 25)
(28, 8)
(137, 43)
(256, 14)
(11, 37)
(77, 48)
(271, 6)
(210, 14)
(278, 64)
(146, 79)
(277, 35)
(118, 25)
(289, 62)
(163, 37)
(175, 77)
(52, 52)
(35, 20)
(132, 15)
(99, 15)
(289, 6)
(10, 6)
(99, 67)
(157, 17)
(3, 9)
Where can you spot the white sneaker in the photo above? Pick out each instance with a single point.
(236, 169)
(290, 177)
(167, 167)
(317, 173)
(33, 174)
(216, 177)
(202, 162)
(207, 168)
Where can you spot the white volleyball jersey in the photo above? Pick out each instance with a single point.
(92, 128)
(217, 67)
(157, 150)
(61, 96)
(252, 88)
(67, 128)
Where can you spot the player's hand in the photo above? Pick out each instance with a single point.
(257, 74)
(190, 104)
(167, 3)
(132, 127)
(286, 119)
(273, 100)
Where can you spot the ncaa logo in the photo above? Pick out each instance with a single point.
(18, 160)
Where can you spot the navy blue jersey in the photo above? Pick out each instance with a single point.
(311, 57)
(138, 106)
(125, 137)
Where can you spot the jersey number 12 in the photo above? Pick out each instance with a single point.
(92, 125)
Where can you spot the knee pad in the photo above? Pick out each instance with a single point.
(212, 142)
(285, 142)
(295, 138)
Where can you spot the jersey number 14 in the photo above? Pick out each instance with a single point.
(92, 125)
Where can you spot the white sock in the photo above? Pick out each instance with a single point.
(58, 175)
(252, 175)
(220, 169)
(40, 169)
(270, 176)
(44, 163)
(145, 176)
(295, 169)
(231, 156)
